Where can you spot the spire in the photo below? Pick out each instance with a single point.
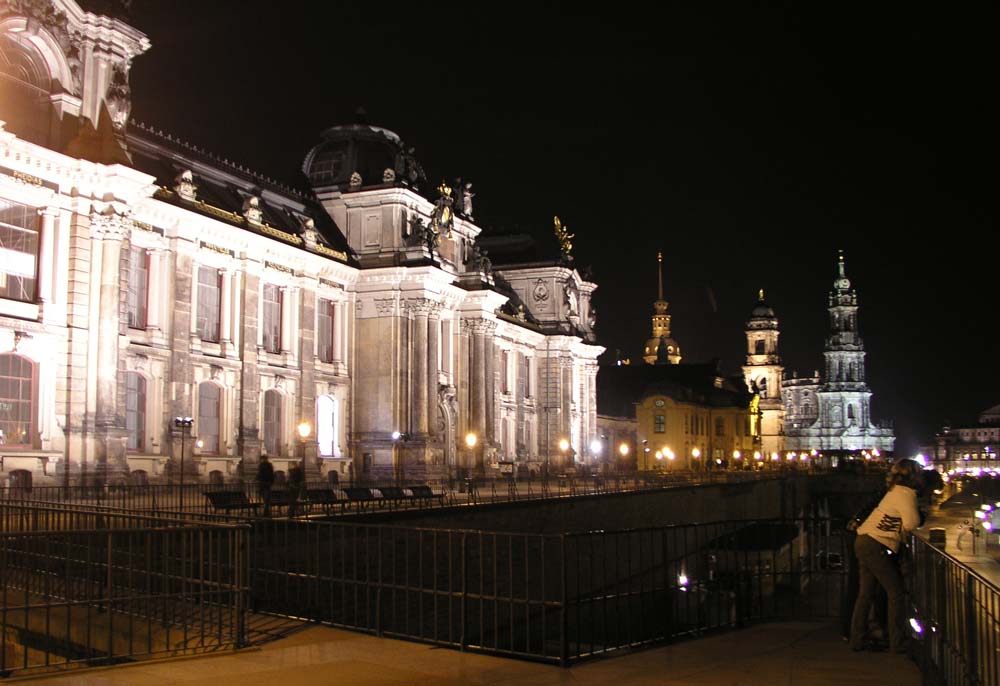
(840, 263)
(659, 271)
(760, 295)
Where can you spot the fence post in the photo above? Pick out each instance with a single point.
(378, 587)
(463, 611)
(971, 635)
(563, 610)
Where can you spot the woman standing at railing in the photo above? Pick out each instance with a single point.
(879, 540)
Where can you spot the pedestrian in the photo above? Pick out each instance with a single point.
(296, 481)
(879, 539)
(265, 482)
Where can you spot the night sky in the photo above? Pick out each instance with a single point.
(748, 146)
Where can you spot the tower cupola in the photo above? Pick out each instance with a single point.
(651, 353)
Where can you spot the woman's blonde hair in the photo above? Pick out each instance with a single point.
(905, 472)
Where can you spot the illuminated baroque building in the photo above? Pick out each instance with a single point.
(828, 413)
(143, 279)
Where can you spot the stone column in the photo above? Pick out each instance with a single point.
(489, 373)
(418, 374)
(155, 290)
(110, 229)
(47, 255)
(433, 342)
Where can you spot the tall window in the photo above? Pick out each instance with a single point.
(209, 299)
(659, 424)
(17, 381)
(271, 324)
(324, 330)
(720, 426)
(326, 426)
(272, 422)
(209, 410)
(505, 370)
(135, 410)
(138, 280)
(18, 251)
(759, 348)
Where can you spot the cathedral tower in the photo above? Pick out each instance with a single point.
(843, 420)
(763, 372)
(661, 348)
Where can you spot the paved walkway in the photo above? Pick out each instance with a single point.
(984, 556)
(780, 654)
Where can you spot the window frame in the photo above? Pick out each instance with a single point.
(204, 333)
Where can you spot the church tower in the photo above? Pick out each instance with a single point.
(763, 373)
(661, 348)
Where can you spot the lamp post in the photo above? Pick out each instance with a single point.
(304, 429)
(623, 451)
(595, 449)
(563, 447)
(398, 436)
(470, 442)
(184, 424)
(695, 453)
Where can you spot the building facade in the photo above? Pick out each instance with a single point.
(968, 445)
(676, 417)
(145, 280)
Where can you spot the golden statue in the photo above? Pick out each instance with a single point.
(564, 237)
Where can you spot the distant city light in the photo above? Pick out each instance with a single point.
(737, 455)
(916, 625)
(623, 449)
(595, 446)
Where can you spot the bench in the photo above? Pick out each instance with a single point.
(424, 492)
(230, 500)
(393, 494)
(324, 497)
(360, 495)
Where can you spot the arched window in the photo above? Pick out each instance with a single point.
(272, 422)
(209, 411)
(850, 413)
(17, 401)
(215, 478)
(135, 411)
(326, 426)
(759, 347)
(24, 88)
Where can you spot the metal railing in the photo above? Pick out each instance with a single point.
(190, 498)
(82, 587)
(958, 615)
(555, 598)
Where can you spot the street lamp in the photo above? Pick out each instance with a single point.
(184, 424)
(623, 451)
(470, 442)
(398, 436)
(695, 452)
(304, 429)
(563, 447)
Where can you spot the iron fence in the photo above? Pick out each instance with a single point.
(555, 598)
(957, 619)
(84, 588)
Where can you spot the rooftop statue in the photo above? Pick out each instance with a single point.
(442, 217)
(565, 239)
(467, 196)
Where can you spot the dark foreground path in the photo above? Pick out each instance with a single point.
(781, 654)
